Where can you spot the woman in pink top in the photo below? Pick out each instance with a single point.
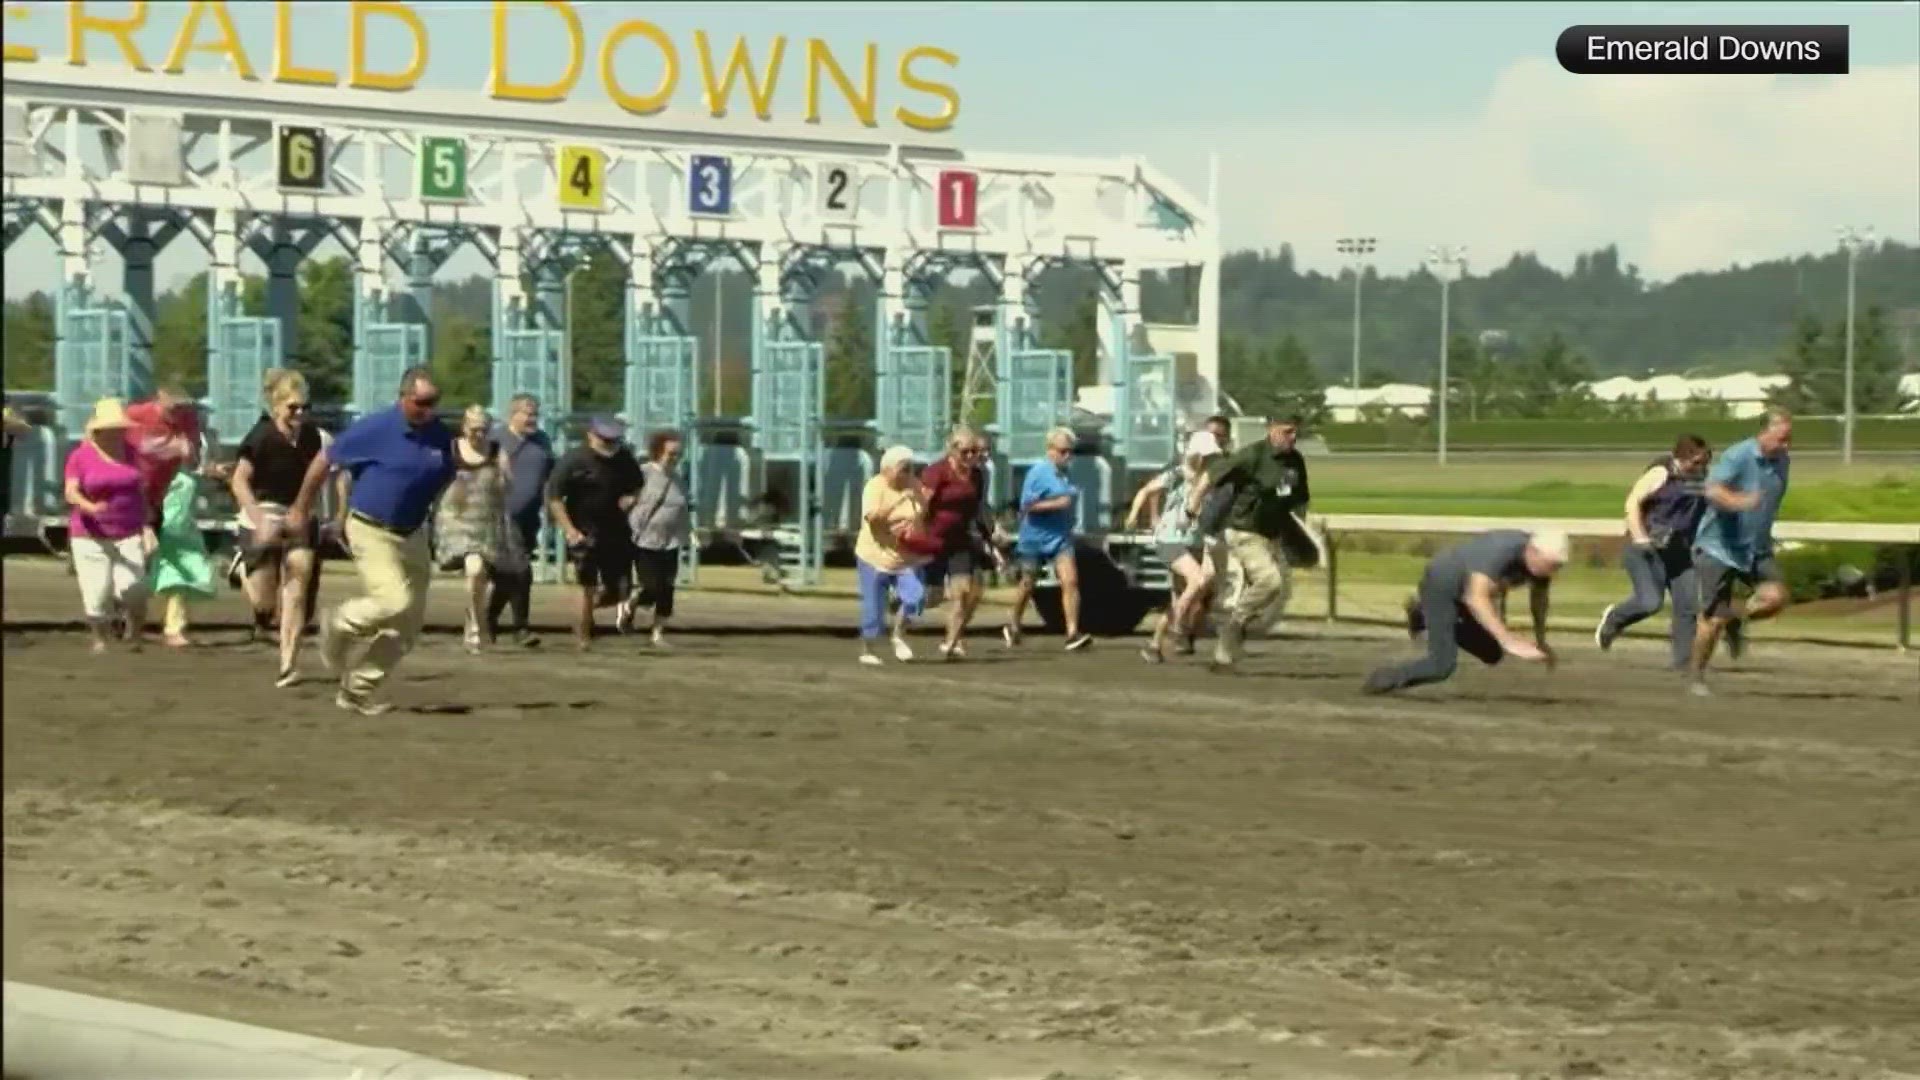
(108, 531)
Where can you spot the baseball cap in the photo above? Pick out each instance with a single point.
(606, 427)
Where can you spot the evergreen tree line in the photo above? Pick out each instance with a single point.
(1525, 337)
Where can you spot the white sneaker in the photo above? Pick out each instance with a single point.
(658, 637)
(1011, 636)
(871, 660)
(623, 616)
(1079, 641)
(902, 651)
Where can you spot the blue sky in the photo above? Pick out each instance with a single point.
(1419, 123)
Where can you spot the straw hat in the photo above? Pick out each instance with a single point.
(107, 413)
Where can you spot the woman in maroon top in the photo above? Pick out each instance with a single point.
(955, 488)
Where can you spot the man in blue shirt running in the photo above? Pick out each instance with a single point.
(400, 460)
(1734, 543)
(1048, 499)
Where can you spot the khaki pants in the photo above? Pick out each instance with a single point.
(395, 571)
(1267, 580)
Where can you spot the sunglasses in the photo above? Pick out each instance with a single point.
(424, 402)
(297, 407)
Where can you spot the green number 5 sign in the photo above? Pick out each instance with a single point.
(443, 170)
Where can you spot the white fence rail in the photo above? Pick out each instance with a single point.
(1333, 526)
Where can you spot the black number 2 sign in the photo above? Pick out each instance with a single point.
(302, 153)
(838, 191)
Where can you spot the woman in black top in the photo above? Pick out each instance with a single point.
(281, 564)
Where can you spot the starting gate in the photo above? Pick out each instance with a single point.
(913, 398)
(1037, 397)
(663, 392)
(1146, 410)
(92, 359)
(788, 392)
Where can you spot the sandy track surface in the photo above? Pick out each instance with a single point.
(753, 858)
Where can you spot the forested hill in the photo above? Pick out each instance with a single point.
(1726, 320)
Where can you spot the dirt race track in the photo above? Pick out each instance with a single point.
(753, 858)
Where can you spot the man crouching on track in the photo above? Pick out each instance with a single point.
(1735, 541)
(1458, 605)
(400, 459)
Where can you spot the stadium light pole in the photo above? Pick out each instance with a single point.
(1446, 262)
(1852, 239)
(1356, 249)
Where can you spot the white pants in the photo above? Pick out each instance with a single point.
(110, 572)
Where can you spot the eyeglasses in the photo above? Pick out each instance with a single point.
(297, 407)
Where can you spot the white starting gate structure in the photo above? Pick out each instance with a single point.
(134, 159)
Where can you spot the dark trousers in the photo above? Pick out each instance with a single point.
(656, 570)
(515, 588)
(1451, 629)
(1655, 573)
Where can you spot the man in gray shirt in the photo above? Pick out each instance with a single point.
(1458, 605)
(530, 461)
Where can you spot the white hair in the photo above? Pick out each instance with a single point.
(1551, 543)
(1062, 435)
(895, 455)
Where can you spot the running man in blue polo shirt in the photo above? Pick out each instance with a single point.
(400, 460)
(1048, 500)
(1734, 544)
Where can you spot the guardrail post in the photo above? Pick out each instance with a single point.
(1333, 576)
(1906, 596)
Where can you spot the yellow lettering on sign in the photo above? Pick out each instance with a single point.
(860, 101)
(228, 44)
(500, 85)
(357, 74)
(80, 24)
(920, 121)
(739, 62)
(284, 69)
(640, 104)
(25, 54)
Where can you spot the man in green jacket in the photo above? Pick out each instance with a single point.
(1269, 482)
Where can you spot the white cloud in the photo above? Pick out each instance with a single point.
(1684, 172)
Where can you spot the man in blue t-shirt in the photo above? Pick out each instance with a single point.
(1048, 500)
(400, 459)
(1734, 544)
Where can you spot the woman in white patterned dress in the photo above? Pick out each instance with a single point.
(470, 525)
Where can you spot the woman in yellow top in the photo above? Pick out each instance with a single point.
(892, 547)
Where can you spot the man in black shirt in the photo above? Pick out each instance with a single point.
(1457, 606)
(592, 488)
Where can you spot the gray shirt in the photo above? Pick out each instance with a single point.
(529, 464)
(661, 519)
(1500, 554)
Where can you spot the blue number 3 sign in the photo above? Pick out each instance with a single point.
(709, 184)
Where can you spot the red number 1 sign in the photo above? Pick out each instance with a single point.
(959, 199)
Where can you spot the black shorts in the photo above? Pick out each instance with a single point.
(606, 566)
(1716, 580)
(963, 563)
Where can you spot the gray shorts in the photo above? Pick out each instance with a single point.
(1716, 580)
(1168, 554)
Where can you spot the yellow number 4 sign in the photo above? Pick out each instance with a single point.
(583, 179)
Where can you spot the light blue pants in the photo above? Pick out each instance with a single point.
(874, 587)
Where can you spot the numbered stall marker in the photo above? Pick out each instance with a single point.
(303, 158)
(710, 185)
(443, 169)
(959, 199)
(583, 179)
(839, 188)
(154, 154)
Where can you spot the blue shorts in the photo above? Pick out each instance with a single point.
(1039, 551)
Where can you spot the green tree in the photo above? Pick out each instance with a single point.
(1297, 389)
(1077, 334)
(597, 332)
(1547, 382)
(849, 359)
(322, 345)
(1815, 366)
(29, 342)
